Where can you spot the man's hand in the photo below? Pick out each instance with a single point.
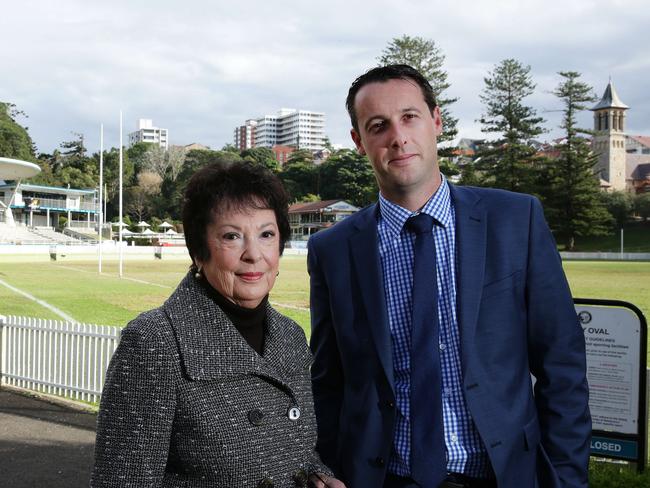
(318, 480)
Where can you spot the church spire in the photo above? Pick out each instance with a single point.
(609, 138)
(610, 99)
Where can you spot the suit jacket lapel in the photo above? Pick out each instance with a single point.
(470, 256)
(365, 252)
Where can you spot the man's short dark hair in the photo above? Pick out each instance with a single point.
(382, 74)
(229, 185)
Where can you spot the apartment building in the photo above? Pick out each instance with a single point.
(300, 129)
(146, 132)
(244, 135)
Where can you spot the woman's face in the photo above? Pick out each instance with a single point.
(244, 254)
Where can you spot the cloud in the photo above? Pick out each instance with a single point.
(201, 68)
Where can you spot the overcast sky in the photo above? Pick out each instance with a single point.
(201, 68)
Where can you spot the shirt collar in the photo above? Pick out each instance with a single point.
(438, 207)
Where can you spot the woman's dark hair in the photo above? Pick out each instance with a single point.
(230, 185)
(382, 74)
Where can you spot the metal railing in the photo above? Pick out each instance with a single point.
(54, 357)
(58, 204)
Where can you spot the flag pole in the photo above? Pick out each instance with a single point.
(101, 188)
(120, 220)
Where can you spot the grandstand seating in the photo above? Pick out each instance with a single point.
(34, 235)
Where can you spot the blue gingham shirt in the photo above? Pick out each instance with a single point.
(465, 450)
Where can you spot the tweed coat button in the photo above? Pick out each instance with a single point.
(255, 416)
(265, 483)
(293, 413)
(300, 478)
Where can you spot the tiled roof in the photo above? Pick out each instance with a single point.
(643, 140)
(311, 206)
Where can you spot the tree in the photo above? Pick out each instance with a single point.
(136, 154)
(155, 161)
(14, 138)
(75, 167)
(301, 156)
(300, 178)
(230, 148)
(176, 157)
(619, 204)
(309, 198)
(139, 198)
(171, 197)
(469, 176)
(263, 156)
(448, 167)
(571, 191)
(112, 177)
(508, 162)
(426, 57)
(349, 176)
(642, 205)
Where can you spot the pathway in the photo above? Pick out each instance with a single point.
(43, 445)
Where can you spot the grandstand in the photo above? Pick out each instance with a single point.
(34, 235)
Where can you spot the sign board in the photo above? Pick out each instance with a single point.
(616, 343)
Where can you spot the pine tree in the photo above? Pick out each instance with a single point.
(571, 191)
(509, 161)
(426, 57)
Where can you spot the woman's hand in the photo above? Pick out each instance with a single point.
(319, 480)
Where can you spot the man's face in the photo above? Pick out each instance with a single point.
(397, 132)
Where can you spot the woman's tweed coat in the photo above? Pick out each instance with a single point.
(188, 403)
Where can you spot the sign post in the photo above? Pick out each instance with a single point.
(616, 344)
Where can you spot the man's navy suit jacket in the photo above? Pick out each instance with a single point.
(515, 316)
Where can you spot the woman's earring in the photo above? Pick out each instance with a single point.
(277, 274)
(197, 275)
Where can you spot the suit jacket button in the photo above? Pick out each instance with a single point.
(300, 478)
(380, 461)
(265, 483)
(293, 413)
(255, 416)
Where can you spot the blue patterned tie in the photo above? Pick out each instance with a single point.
(428, 453)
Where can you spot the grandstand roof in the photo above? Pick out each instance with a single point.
(51, 189)
(15, 169)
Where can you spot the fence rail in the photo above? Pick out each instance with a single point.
(54, 357)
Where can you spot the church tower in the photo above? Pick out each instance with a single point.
(609, 138)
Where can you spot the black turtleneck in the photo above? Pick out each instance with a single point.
(249, 322)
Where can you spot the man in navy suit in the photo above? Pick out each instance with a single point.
(425, 341)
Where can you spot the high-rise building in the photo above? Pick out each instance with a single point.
(301, 129)
(245, 135)
(146, 132)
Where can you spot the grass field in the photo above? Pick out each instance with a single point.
(75, 287)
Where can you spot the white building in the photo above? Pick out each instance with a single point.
(302, 129)
(41, 206)
(146, 132)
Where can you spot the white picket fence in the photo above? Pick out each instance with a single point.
(54, 357)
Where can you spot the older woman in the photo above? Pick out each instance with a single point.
(212, 389)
